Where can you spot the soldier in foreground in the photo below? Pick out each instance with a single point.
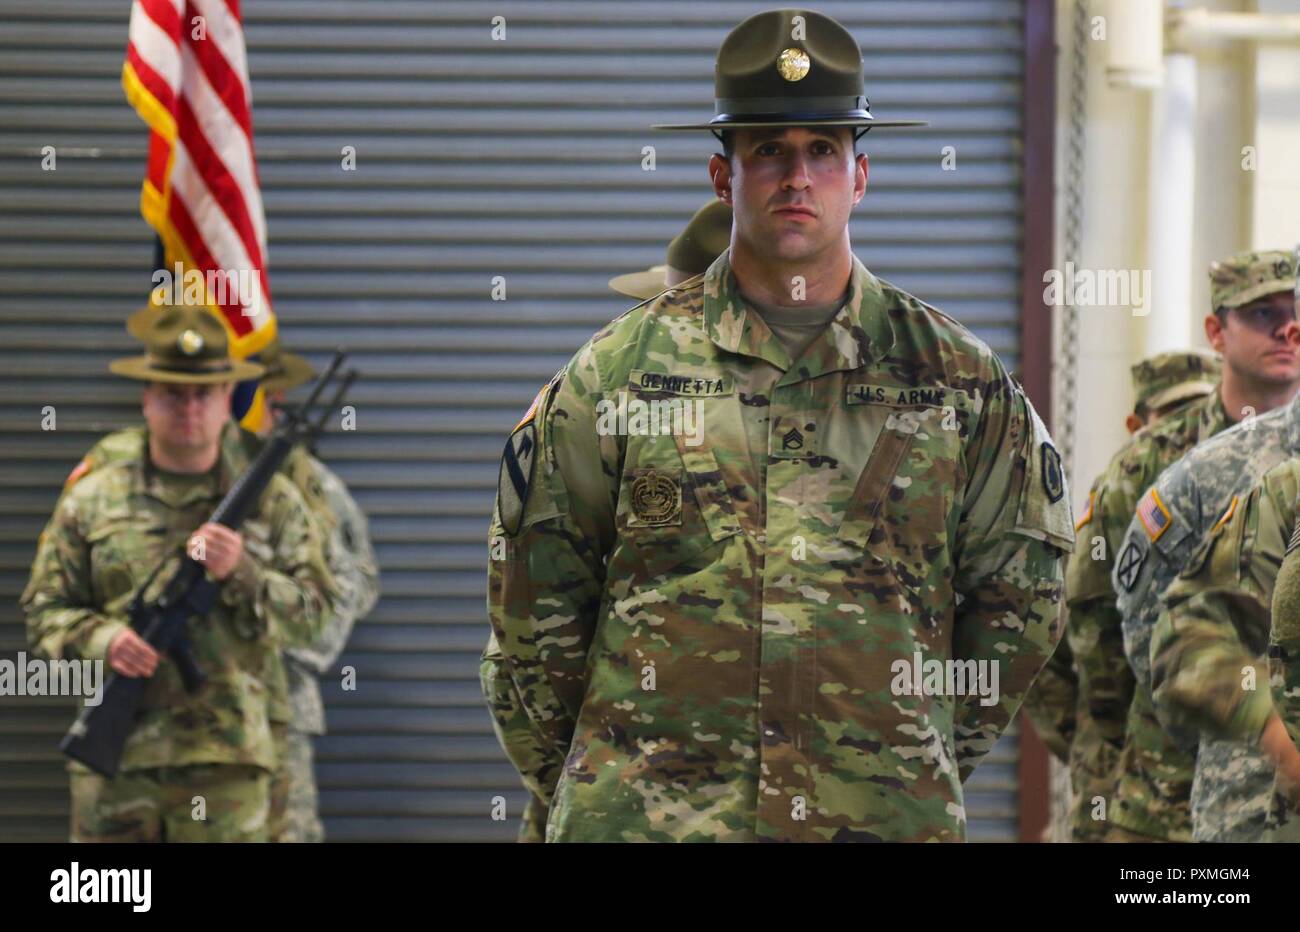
(731, 633)
(1161, 385)
(690, 253)
(109, 532)
(1253, 313)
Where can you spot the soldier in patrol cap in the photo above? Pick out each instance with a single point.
(108, 533)
(349, 555)
(805, 601)
(1144, 797)
(1197, 748)
(690, 253)
(1161, 384)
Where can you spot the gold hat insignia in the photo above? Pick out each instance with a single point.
(793, 64)
(190, 342)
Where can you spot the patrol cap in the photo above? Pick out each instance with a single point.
(185, 345)
(1249, 276)
(690, 253)
(1168, 378)
(789, 67)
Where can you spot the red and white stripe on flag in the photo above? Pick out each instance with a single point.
(186, 75)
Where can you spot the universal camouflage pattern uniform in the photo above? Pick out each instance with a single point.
(1159, 384)
(1284, 649)
(890, 493)
(1211, 646)
(1094, 629)
(1170, 788)
(108, 533)
(351, 560)
(356, 573)
(1232, 781)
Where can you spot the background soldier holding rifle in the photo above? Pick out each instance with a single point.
(218, 743)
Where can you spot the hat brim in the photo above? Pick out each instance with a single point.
(142, 369)
(643, 284)
(1179, 393)
(138, 323)
(1275, 286)
(294, 370)
(767, 124)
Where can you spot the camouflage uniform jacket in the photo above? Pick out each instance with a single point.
(356, 575)
(108, 533)
(348, 553)
(1232, 781)
(1094, 627)
(1211, 645)
(716, 640)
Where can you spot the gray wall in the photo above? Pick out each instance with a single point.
(476, 159)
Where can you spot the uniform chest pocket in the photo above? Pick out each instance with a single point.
(673, 504)
(902, 506)
(123, 552)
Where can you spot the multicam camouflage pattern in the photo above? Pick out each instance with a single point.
(724, 669)
(1053, 702)
(1167, 378)
(157, 804)
(1232, 782)
(108, 533)
(1094, 627)
(353, 567)
(1249, 276)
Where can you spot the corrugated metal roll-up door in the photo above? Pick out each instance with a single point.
(475, 158)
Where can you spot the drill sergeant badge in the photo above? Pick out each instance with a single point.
(656, 499)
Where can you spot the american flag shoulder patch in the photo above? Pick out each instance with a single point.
(1153, 514)
(1087, 514)
(1227, 516)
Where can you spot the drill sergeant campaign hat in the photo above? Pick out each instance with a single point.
(789, 67)
(690, 253)
(284, 370)
(185, 345)
(1168, 378)
(1249, 276)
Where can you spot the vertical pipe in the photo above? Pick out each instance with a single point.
(1171, 207)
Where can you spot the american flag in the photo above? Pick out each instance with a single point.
(1153, 514)
(186, 75)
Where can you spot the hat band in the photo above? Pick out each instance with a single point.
(753, 106)
(819, 116)
(216, 365)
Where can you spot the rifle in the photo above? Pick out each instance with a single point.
(99, 734)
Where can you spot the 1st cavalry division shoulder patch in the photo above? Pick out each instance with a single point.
(515, 476)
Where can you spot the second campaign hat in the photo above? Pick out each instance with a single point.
(789, 67)
(185, 345)
(691, 252)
